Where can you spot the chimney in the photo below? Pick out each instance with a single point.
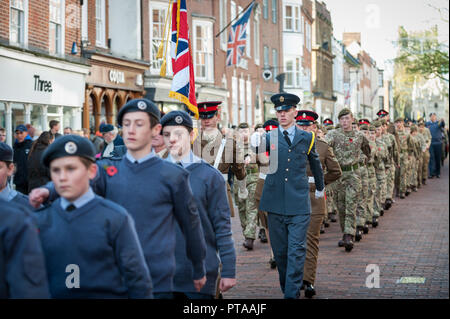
(349, 37)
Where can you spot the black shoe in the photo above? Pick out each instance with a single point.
(322, 229)
(388, 204)
(374, 222)
(272, 263)
(358, 234)
(424, 182)
(348, 242)
(407, 193)
(366, 228)
(381, 212)
(262, 235)
(248, 243)
(341, 242)
(414, 189)
(310, 291)
(333, 217)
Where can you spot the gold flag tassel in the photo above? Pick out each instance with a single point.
(162, 50)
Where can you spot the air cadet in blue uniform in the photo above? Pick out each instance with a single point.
(6, 171)
(155, 192)
(210, 194)
(286, 192)
(22, 265)
(90, 237)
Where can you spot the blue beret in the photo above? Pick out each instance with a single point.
(21, 128)
(69, 145)
(284, 101)
(6, 152)
(177, 118)
(139, 105)
(105, 128)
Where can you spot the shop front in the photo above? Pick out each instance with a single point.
(36, 89)
(111, 83)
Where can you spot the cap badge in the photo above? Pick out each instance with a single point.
(178, 119)
(142, 105)
(304, 115)
(70, 147)
(281, 99)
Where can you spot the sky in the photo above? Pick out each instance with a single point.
(378, 22)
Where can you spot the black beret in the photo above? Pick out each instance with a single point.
(364, 127)
(376, 124)
(398, 119)
(139, 105)
(6, 152)
(177, 118)
(105, 128)
(243, 125)
(270, 125)
(284, 101)
(344, 112)
(69, 145)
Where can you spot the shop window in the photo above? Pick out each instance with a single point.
(36, 118)
(56, 31)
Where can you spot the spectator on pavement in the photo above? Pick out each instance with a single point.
(2, 135)
(22, 148)
(38, 175)
(435, 128)
(68, 130)
(54, 128)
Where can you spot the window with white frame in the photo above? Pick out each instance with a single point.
(232, 10)
(100, 29)
(56, 30)
(158, 13)
(17, 21)
(266, 57)
(308, 36)
(274, 11)
(84, 21)
(292, 21)
(234, 99)
(249, 102)
(256, 38)
(223, 23)
(203, 50)
(274, 64)
(265, 9)
(292, 70)
(242, 100)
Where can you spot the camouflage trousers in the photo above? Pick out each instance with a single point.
(380, 191)
(419, 170)
(413, 171)
(403, 177)
(361, 210)
(372, 178)
(248, 211)
(348, 193)
(390, 181)
(426, 161)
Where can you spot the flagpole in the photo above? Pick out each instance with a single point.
(237, 16)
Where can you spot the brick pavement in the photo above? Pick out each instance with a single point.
(412, 240)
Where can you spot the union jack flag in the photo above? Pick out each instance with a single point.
(237, 38)
(183, 83)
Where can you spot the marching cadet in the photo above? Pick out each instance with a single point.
(417, 155)
(332, 171)
(263, 161)
(404, 147)
(347, 145)
(411, 158)
(361, 212)
(286, 191)
(248, 212)
(390, 165)
(7, 169)
(155, 192)
(218, 150)
(422, 148)
(22, 264)
(369, 132)
(426, 154)
(380, 170)
(331, 203)
(87, 234)
(210, 193)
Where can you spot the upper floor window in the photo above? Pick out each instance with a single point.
(158, 12)
(203, 50)
(308, 36)
(292, 21)
(274, 11)
(266, 57)
(265, 9)
(223, 23)
(292, 70)
(56, 45)
(17, 21)
(100, 23)
(256, 38)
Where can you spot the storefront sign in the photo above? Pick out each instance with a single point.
(41, 85)
(116, 76)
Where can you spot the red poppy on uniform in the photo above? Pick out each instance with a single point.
(111, 171)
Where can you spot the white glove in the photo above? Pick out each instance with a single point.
(320, 194)
(255, 139)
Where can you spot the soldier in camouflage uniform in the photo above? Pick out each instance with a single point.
(380, 170)
(348, 145)
(411, 159)
(425, 132)
(417, 155)
(390, 165)
(331, 203)
(361, 212)
(422, 149)
(369, 132)
(405, 144)
(248, 211)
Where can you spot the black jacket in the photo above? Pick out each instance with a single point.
(38, 174)
(21, 151)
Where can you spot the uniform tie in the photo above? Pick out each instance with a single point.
(70, 208)
(286, 137)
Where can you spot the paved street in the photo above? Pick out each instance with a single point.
(412, 240)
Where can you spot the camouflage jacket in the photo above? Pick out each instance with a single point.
(348, 146)
(406, 143)
(382, 153)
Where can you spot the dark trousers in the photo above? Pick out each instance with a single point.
(435, 159)
(288, 239)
